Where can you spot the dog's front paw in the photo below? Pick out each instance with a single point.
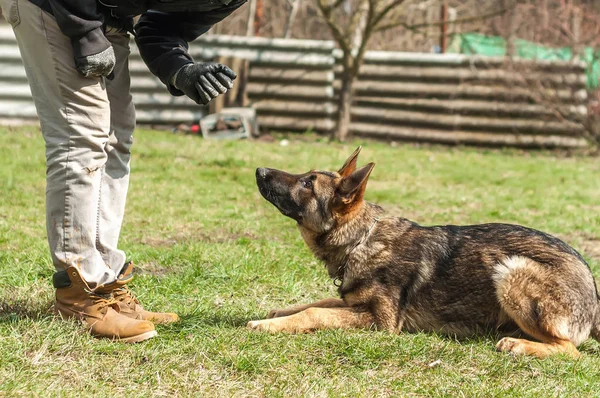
(262, 326)
(511, 345)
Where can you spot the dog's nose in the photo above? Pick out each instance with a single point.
(261, 172)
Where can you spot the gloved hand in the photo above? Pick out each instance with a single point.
(203, 81)
(101, 64)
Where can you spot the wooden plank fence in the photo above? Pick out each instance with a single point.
(293, 84)
(454, 98)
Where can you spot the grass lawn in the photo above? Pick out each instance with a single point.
(210, 248)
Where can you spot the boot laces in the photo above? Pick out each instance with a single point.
(102, 300)
(124, 294)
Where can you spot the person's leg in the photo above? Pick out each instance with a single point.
(74, 114)
(115, 181)
(115, 173)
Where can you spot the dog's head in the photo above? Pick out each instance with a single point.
(317, 200)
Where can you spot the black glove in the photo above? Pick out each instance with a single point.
(101, 64)
(203, 81)
(94, 55)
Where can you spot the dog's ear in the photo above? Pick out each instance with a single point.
(352, 187)
(350, 165)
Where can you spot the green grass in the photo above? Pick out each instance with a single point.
(210, 248)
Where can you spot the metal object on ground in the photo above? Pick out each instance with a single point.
(230, 123)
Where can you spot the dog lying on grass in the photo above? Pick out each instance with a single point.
(457, 280)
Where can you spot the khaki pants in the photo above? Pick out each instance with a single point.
(87, 124)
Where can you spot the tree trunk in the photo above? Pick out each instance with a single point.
(251, 18)
(576, 29)
(363, 10)
(289, 25)
(511, 23)
(344, 114)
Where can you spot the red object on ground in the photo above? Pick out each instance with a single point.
(195, 128)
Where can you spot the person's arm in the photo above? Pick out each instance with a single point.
(162, 39)
(82, 22)
(163, 43)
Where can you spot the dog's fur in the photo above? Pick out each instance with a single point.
(460, 280)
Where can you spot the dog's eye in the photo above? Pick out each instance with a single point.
(307, 183)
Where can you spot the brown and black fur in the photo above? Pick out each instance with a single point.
(458, 280)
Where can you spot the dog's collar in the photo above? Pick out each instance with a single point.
(339, 278)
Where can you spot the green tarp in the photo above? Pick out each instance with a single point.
(494, 46)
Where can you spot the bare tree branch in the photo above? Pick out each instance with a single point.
(416, 27)
(289, 23)
(384, 12)
(353, 38)
(365, 39)
(354, 28)
(339, 36)
(251, 18)
(331, 6)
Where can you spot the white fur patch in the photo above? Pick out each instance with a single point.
(503, 269)
(562, 329)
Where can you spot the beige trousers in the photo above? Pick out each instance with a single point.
(87, 124)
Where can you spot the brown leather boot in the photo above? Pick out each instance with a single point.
(129, 304)
(98, 312)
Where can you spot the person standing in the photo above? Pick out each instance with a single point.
(75, 54)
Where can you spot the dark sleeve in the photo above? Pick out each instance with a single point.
(163, 42)
(82, 22)
(163, 38)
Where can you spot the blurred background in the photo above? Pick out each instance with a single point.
(484, 72)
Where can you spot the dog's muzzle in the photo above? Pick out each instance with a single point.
(274, 186)
(263, 178)
(261, 173)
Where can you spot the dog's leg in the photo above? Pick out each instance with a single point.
(549, 331)
(327, 303)
(316, 318)
(387, 315)
(540, 350)
(541, 307)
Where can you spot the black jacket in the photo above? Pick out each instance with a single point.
(161, 34)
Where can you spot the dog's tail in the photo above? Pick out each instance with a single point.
(596, 325)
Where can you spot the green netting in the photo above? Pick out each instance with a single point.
(494, 46)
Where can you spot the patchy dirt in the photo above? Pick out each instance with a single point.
(16, 303)
(592, 248)
(152, 268)
(159, 242)
(586, 243)
(215, 236)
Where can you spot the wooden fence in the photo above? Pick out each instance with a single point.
(455, 98)
(284, 74)
(399, 96)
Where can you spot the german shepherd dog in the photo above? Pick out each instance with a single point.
(396, 275)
